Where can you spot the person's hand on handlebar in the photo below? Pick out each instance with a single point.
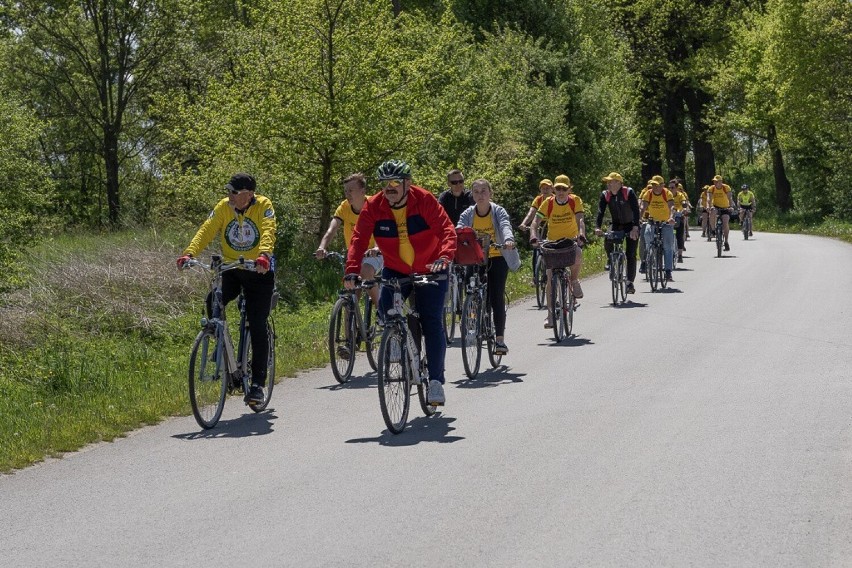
(320, 253)
(439, 265)
(598, 232)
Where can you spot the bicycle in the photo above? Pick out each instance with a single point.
(654, 264)
(477, 324)
(214, 368)
(401, 365)
(562, 302)
(746, 224)
(617, 266)
(720, 236)
(539, 277)
(349, 326)
(453, 300)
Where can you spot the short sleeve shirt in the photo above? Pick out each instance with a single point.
(719, 196)
(349, 218)
(658, 205)
(486, 225)
(561, 219)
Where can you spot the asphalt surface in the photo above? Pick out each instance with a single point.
(708, 425)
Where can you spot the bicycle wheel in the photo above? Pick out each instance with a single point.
(270, 365)
(393, 373)
(423, 390)
(540, 281)
(613, 277)
(342, 335)
(621, 276)
(719, 239)
(651, 269)
(470, 334)
(207, 384)
(370, 319)
(661, 272)
(567, 294)
(746, 226)
(450, 307)
(556, 299)
(491, 340)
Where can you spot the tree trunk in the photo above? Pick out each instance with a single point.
(675, 135)
(652, 162)
(397, 7)
(783, 191)
(112, 167)
(702, 149)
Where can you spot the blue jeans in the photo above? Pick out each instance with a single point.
(429, 304)
(668, 243)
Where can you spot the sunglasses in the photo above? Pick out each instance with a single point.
(392, 184)
(562, 189)
(237, 191)
(456, 181)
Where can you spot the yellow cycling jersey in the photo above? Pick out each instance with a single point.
(486, 225)
(719, 196)
(561, 219)
(745, 197)
(658, 204)
(349, 218)
(245, 234)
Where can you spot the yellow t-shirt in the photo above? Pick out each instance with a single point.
(539, 199)
(658, 205)
(680, 198)
(486, 225)
(244, 234)
(406, 251)
(561, 219)
(720, 196)
(349, 218)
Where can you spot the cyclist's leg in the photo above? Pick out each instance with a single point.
(608, 246)
(429, 303)
(258, 292)
(726, 218)
(498, 271)
(371, 266)
(630, 252)
(712, 225)
(575, 273)
(644, 240)
(668, 246)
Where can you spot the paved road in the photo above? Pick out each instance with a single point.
(705, 426)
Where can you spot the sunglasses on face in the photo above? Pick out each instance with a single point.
(456, 181)
(392, 184)
(561, 189)
(238, 191)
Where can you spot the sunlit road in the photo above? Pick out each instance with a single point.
(710, 425)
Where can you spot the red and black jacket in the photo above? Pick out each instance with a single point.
(430, 231)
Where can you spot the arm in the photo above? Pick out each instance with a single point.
(267, 229)
(525, 224)
(601, 209)
(505, 226)
(205, 234)
(671, 212)
(581, 224)
(322, 249)
(360, 240)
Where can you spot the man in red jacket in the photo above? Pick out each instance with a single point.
(415, 235)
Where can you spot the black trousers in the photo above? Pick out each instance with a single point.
(630, 249)
(497, 271)
(258, 290)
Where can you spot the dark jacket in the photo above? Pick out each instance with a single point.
(455, 205)
(623, 208)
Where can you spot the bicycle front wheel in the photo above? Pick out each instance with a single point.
(719, 238)
(370, 319)
(207, 384)
(341, 340)
(567, 294)
(393, 373)
(620, 259)
(450, 307)
(491, 339)
(661, 273)
(470, 334)
(540, 280)
(614, 277)
(651, 269)
(556, 301)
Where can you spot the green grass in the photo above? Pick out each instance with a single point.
(97, 343)
(808, 224)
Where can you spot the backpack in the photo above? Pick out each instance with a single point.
(468, 249)
(550, 203)
(608, 193)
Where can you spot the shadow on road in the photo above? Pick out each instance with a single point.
(247, 425)
(670, 290)
(491, 378)
(572, 341)
(626, 305)
(420, 429)
(368, 381)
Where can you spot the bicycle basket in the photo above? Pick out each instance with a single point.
(559, 253)
(469, 250)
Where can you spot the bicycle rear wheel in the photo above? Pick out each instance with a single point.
(393, 373)
(270, 365)
(342, 334)
(491, 340)
(370, 319)
(540, 281)
(470, 334)
(207, 380)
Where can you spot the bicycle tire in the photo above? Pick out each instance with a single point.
(393, 378)
(719, 238)
(342, 319)
(622, 276)
(556, 304)
(651, 269)
(423, 390)
(270, 365)
(746, 226)
(370, 319)
(613, 277)
(540, 281)
(661, 271)
(491, 340)
(207, 380)
(471, 338)
(568, 305)
(450, 307)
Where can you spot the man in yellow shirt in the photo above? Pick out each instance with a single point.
(346, 216)
(704, 212)
(659, 203)
(748, 204)
(719, 196)
(564, 215)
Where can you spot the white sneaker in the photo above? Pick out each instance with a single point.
(436, 393)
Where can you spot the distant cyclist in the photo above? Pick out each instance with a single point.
(748, 204)
(659, 203)
(683, 207)
(719, 195)
(545, 188)
(623, 208)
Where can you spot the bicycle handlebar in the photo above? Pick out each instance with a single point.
(240, 263)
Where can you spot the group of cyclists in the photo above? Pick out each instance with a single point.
(404, 229)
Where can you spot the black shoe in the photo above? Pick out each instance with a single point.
(255, 395)
(669, 276)
(642, 268)
(727, 246)
(680, 258)
(630, 288)
(500, 348)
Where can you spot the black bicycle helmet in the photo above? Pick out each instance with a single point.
(393, 169)
(745, 186)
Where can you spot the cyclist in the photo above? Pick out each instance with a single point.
(455, 199)
(246, 223)
(545, 188)
(659, 203)
(346, 215)
(564, 215)
(704, 211)
(748, 204)
(624, 210)
(645, 217)
(719, 196)
(488, 217)
(414, 234)
(682, 206)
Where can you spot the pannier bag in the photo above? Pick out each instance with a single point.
(470, 248)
